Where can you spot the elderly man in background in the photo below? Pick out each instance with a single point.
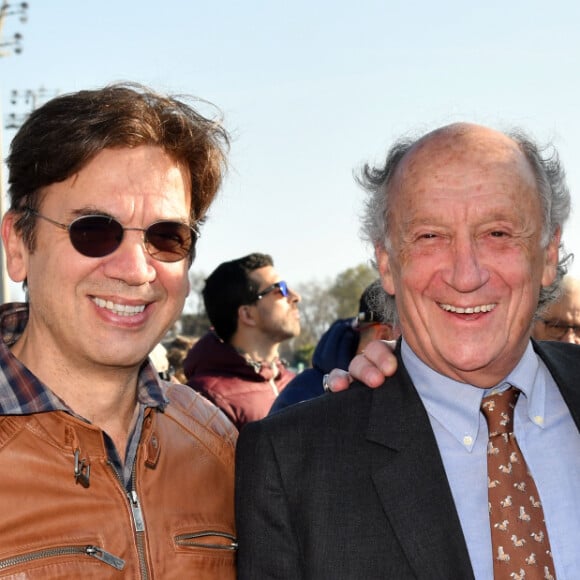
(561, 319)
(466, 463)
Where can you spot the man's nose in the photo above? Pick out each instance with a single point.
(131, 261)
(572, 335)
(467, 273)
(293, 296)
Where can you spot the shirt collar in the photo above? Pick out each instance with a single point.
(531, 377)
(456, 406)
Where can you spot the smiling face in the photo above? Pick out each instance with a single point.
(466, 263)
(112, 310)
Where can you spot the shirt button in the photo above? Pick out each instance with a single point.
(539, 420)
(467, 440)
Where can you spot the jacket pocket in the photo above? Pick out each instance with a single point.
(204, 555)
(208, 540)
(52, 556)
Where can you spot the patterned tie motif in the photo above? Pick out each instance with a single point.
(521, 549)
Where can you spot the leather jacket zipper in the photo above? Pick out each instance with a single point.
(138, 520)
(91, 551)
(139, 523)
(196, 540)
(136, 511)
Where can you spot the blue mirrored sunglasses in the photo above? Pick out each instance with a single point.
(281, 286)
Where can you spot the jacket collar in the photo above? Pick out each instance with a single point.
(399, 422)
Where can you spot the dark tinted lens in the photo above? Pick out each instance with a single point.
(169, 241)
(283, 288)
(95, 236)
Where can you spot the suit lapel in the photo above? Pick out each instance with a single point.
(563, 362)
(409, 475)
(411, 482)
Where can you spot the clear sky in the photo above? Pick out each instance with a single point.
(313, 89)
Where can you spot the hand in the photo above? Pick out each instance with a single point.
(371, 367)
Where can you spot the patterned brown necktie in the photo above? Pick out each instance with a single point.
(521, 549)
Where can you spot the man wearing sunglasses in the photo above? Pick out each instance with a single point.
(376, 320)
(107, 470)
(237, 364)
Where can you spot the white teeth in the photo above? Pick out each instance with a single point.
(120, 309)
(469, 309)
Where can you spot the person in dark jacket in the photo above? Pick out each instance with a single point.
(237, 364)
(466, 223)
(376, 320)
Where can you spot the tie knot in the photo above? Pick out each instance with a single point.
(499, 411)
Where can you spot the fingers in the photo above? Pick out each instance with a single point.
(363, 370)
(380, 354)
(336, 380)
(375, 364)
(371, 367)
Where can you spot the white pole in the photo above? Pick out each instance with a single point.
(4, 286)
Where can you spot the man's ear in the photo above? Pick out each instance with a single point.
(246, 315)
(384, 266)
(15, 249)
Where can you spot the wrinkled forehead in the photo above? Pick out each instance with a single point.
(459, 153)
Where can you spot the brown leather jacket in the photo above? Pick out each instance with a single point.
(65, 514)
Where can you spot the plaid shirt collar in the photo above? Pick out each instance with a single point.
(21, 392)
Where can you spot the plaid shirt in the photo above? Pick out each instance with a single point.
(22, 393)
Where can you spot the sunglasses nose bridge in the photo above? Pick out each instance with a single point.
(143, 230)
(145, 244)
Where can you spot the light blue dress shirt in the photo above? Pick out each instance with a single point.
(548, 439)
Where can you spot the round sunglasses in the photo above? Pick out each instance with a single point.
(96, 236)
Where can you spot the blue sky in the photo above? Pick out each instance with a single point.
(311, 90)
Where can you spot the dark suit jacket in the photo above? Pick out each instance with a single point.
(352, 486)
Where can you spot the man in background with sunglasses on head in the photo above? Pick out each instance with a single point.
(108, 471)
(237, 364)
